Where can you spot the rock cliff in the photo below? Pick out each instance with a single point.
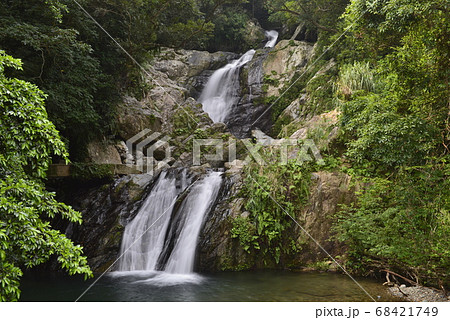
(174, 79)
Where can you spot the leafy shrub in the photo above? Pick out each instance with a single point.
(355, 77)
(274, 193)
(403, 224)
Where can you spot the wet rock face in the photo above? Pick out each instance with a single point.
(217, 251)
(250, 112)
(106, 210)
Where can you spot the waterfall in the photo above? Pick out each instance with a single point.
(145, 238)
(272, 35)
(194, 207)
(221, 91)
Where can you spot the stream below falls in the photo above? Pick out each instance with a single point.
(226, 286)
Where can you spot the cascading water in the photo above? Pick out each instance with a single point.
(221, 92)
(145, 237)
(152, 241)
(194, 207)
(272, 35)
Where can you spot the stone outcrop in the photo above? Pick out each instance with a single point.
(254, 35)
(250, 112)
(133, 116)
(218, 251)
(287, 59)
(328, 192)
(103, 152)
(323, 128)
(106, 211)
(172, 78)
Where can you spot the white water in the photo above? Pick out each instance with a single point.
(143, 238)
(272, 35)
(221, 91)
(195, 207)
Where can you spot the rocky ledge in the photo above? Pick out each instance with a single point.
(419, 294)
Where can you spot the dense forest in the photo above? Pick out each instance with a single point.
(64, 66)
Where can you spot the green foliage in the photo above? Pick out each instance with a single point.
(395, 111)
(399, 118)
(245, 231)
(274, 192)
(58, 61)
(384, 137)
(318, 15)
(28, 137)
(230, 30)
(355, 77)
(27, 141)
(90, 171)
(403, 223)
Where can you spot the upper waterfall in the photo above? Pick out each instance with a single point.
(272, 35)
(221, 92)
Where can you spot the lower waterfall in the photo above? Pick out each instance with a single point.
(145, 238)
(194, 207)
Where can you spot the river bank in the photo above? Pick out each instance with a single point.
(419, 294)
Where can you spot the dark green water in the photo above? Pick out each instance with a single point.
(237, 286)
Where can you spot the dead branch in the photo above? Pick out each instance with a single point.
(400, 276)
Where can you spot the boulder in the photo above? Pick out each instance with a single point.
(133, 116)
(254, 35)
(102, 152)
(329, 191)
(284, 61)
